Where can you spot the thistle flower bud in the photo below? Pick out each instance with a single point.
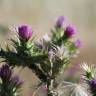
(89, 71)
(60, 22)
(25, 32)
(10, 85)
(69, 31)
(5, 72)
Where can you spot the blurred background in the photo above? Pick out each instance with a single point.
(41, 15)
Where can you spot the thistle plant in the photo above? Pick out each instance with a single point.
(47, 57)
(10, 85)
(90, 77)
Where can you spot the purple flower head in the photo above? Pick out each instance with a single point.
(92, 84)
(70, 31)
(60, 22)
(25, 32)
(16, 80)
(5, 72)
(77, 43)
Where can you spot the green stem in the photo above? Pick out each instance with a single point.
(50, 87)
(50, 81)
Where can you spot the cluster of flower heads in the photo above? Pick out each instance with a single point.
(47, 57)
(10, 84)
(69, 30)
(25, 32)
(90, 77)
(66, 32)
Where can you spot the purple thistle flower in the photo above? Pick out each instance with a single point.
(25, 32)
(16, 80)
(77, 43)
(60, 22)
(70, 31)
(5, 72)
(92, 84)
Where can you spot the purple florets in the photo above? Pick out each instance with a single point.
(10, 84)
(60, 22)
(92, 84)
(5, 72)
(25, 32)
(70, 31)
(6, 75)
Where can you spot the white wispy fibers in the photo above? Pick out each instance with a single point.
(90, 77)
(71, 89)
(65, 88)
